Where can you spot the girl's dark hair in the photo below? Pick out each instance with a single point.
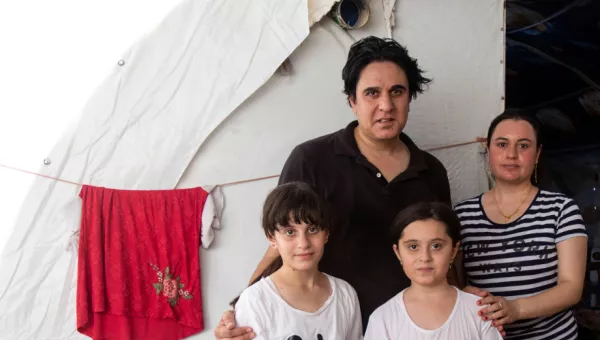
(373, 49)
(294, 202)
(438, 211)
(515, 115)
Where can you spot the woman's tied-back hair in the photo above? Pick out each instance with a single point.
(422, 211)
(516, 115)
(374, 49)
(294, 202)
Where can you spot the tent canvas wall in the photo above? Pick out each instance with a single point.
(132, 133)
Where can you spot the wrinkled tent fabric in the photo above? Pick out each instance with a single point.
(158, 122)
(141, 129)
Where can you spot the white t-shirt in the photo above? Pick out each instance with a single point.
(391, 321)
(261, 307)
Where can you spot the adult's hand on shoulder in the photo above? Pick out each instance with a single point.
(485, 296)
(499, 310)
(226, 329)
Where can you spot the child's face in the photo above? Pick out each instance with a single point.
(425, 250)
(300, 245)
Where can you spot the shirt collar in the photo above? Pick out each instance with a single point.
(345, 144)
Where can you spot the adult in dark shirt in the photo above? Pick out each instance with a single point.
(368, 171)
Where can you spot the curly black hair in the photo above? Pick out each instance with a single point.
(373, 49)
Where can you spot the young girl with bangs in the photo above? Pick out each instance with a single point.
(292, 299)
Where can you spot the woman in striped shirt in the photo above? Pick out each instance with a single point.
(523, 249)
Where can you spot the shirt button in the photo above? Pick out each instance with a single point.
(379, 175)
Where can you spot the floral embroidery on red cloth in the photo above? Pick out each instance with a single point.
(171, 288)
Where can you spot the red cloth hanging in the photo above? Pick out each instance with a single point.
(139, 264)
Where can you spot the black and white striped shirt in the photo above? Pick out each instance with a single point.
(519, 259)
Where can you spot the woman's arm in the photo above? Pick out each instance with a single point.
(572, 255)
(571, 273)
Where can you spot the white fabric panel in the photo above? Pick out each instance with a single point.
(37, 291)
(55, 55)
(139, 131)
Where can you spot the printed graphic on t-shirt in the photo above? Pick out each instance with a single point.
(523, 252)
(295, 337)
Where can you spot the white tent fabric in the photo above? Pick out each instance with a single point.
(171, 116)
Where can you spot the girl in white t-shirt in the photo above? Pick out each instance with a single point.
(292, 299)
(426, 237)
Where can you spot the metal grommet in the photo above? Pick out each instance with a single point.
(379, 175)
(121, 62)
(502, 98)
(47, 161)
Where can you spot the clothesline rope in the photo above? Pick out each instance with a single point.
(38, 174)
(477, 140)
